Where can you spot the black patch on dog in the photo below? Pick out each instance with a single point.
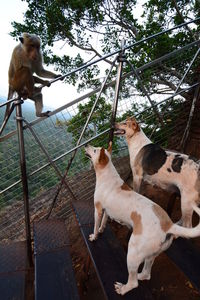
(153, 158)
(177, 163)
(169, 170)
(193, 158)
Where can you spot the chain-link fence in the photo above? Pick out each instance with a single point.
(158, 93)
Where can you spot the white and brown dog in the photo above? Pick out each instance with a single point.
(153, 230)
(151, 163)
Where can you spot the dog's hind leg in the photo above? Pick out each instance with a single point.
(187, 210)
(134, 259)
(146, 271)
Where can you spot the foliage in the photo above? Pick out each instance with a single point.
(94, 28)
(99, 121)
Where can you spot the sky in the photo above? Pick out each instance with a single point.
(12, 10)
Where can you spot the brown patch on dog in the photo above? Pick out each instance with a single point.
(132, 123)
(99, 208)
(125, 187)
(165, 221)
(137, 223)
(103, 158)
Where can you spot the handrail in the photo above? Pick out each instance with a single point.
(86, 65)
(112, 83)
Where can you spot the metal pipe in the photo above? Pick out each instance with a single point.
(188, 69)
(146, 93)
(51, 162)
(121, 59)
(79, 99)
(56, 159)
(93, 138)
(178, 87)
(187, 128)
(79, 140)
(6, 118)
(95, 103)
(19, 121)
(114, 53)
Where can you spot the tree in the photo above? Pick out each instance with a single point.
(80, 23)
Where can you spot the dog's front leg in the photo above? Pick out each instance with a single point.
(103, 222)
(137, 180)
(97, 220)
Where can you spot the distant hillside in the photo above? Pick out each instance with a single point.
(28, 110)
(55, 139)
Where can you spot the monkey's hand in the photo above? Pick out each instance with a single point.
(46, 83)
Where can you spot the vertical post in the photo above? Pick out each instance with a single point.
(19, 121)
(120, 59)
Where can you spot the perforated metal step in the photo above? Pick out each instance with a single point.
(13, 271)
(54, 275)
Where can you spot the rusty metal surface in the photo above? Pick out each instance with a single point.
(187, 257)
(54, 275)
(13, 271)
(13, 257)
(84, 211)
(49, 235)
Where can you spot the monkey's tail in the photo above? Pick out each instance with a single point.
(10, 95)
(7, 111)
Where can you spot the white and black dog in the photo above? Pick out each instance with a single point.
(151, 163)
(152, 229)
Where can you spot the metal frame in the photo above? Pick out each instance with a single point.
(112, 83)
(19, 119)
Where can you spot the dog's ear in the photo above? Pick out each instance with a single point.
(103, 158)
(135, 126)
(110, 147)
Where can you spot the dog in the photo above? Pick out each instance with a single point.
(152, 229)
(166, 169)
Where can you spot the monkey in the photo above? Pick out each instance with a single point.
(26, 60)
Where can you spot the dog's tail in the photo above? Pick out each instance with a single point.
(186, 232)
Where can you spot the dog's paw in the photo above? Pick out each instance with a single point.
(122, 289)
(92, 237)
(101, 229)
(118, 287)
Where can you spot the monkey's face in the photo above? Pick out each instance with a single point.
(31, 45)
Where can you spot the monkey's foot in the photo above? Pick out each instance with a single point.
(47, 83)
(44, 114)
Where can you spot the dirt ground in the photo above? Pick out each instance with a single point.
(167, 281)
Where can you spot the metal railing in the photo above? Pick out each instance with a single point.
(52, 147)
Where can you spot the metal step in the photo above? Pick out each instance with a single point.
(54, 275)
(14, 273)
(187, 257)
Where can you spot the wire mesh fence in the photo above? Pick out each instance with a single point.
(163, 87)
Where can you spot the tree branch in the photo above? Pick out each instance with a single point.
(182, 18)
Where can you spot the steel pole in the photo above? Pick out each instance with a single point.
(19, 120)
(121, 59)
